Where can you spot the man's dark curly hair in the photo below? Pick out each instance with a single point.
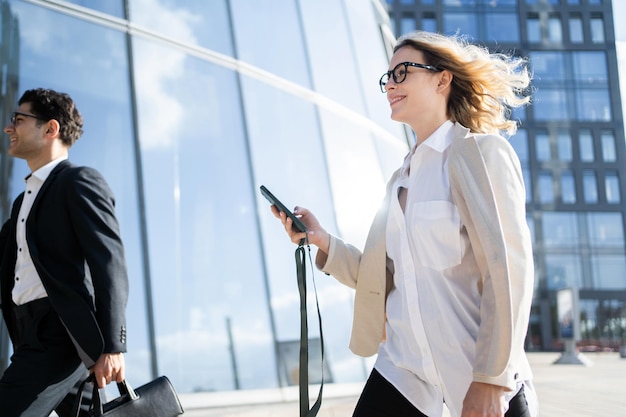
(49, 104)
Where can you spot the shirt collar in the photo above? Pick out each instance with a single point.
(440, 138)
(43, 172)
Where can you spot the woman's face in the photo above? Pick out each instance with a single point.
(417, 99)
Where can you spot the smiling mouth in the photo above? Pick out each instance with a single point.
(395, 100)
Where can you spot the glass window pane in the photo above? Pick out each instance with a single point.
(429, 24)
(565, 146)
(605, 229)
(181, 21)
(555, 32)
(563, 271)
(548, 66)
(112, 7)
(542, 146)
(576, 29)
(590, 68)
(585, 141)
(597, 30)
(609, 271)
(609, 153)
(546, 188)
(568, 188)
(560, 229)
(464, 23)
(590, 186)
(593, 105)
(612, 189)
(533, 28)
(550, 104)
(519, 141)
(407, 24)
(502, 27)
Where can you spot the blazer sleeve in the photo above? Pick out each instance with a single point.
(97, 230)
(487, 185)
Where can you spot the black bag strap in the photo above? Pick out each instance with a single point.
(124, 388)
(304, 335)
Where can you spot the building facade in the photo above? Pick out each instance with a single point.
(571, 145)
(189, 107)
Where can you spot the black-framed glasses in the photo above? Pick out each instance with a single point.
(17, 113)
(399, 73)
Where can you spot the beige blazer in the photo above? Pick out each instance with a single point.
(487, 188)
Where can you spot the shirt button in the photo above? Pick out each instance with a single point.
(22, 220)
(17, 278)
(516, 376)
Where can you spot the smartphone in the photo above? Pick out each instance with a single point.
(297, 223)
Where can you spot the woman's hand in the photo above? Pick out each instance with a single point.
(317, 234)
(484, 400)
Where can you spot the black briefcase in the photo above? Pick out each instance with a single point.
(157, 398)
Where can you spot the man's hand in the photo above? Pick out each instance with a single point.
(484, 400)
(108, 368)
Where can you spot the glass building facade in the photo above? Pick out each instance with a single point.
(571, 145)
(189, 107)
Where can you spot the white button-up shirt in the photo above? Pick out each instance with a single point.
(432, 312)
(28, 286)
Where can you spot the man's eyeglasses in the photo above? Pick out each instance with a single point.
(399, 73)
(17, 113)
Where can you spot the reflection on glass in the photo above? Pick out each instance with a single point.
(200, 215)
(550, 104)
(590, 68)
(533, 29)
(546, 188)
(429, 23)
(585, 143)
(502, 27)
(611, 187)
(560, 229)
(112, 7)
(555, 32)
(593, 105)
(548, 66)
(407, 24)
(590, 186)
(563, 271)
(597, 30)
(464, 23)
(576, 29)
(605, 229)
(568, 188)
(542, 146)
(609, 153)
(609, 271)
(565, 146)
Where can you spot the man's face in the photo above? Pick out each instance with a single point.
(26, 138)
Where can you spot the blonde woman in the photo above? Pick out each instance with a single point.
(444, 283)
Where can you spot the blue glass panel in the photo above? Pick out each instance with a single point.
(546, 188)
(564, 143)
(192, 22)
(502, 27)
(605, 229)
(585, 143)
(200, 206)
(609, 271)
(612, 187)
(550, 104)
(560, 229)
(590, 186)
(463, 23)
(593, 105)
(547, 66)
(563, 271)
(590, 67)
(112, 7)
(568, 188)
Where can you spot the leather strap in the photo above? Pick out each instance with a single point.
(305, 411)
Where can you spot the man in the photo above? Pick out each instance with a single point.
(63, 279)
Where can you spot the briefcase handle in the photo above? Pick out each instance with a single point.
(127, 393)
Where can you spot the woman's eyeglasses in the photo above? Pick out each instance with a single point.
(399, 73)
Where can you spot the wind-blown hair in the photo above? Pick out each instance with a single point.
(485, 86)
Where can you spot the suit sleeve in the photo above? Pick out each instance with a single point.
(487, 185)
(97, 230)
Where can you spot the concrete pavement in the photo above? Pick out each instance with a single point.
(563, 390)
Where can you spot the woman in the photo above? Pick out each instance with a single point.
(444, 283)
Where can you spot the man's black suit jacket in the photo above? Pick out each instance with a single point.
(72, 233)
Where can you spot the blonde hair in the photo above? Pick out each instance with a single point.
(485, 86)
